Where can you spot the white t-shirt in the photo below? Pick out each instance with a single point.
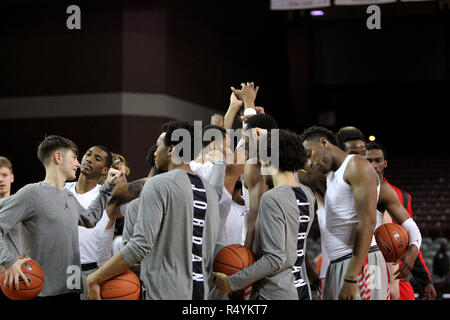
(95, 243)
(232, 221)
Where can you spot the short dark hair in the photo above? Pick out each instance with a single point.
(317, 132)
(263, 121)
(4, 162)
(346, 134)
(376, 145)
(170, 127)
(53, 143)
(208, 127)
(109, 155)
(292, 155)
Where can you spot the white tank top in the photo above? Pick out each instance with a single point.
(321, 219)
(341, 218)
(380, 216)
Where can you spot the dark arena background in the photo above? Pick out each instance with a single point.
(133, 65)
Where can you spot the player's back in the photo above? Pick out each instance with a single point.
(167, 271)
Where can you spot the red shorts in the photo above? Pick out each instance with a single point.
(406, 290)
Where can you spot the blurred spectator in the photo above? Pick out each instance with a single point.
(441, 262)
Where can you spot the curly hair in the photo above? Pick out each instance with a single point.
(346, 134)
(169, 129)
(263, 121)
(222, 131)
(317, 132)
(292, 155)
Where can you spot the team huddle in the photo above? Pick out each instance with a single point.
(264, 193)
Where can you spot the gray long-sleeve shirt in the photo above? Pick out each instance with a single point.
(215, 175)
(275, 247)
(50, 217)
(13, 238)
(162, 238)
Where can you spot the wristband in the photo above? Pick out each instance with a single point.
(249, 112)
(351, 281)
(413, 231)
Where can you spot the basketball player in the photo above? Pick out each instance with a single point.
(350, 201)
(351, 140)
(389, 207)
(376, 154)
(285, 216)
(50, 215)
(175, 231)
(95, 243)
(12, 238)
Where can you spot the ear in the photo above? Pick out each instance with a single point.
(323, 142)
(105, 170)
(58, 157)
(12, 177)
(170, 150)
(385, 164)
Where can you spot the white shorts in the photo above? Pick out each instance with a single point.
(372, 280)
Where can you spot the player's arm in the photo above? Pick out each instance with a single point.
(148, 224)
(390, 201)
(363, 180)
(233, 110)
(273, 235)
(256, 187)
(15, 208)
(90, 216)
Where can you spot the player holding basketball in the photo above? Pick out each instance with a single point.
(50, 215)
(176, 228)
(285, 216)
(376, 155)
(350, 201)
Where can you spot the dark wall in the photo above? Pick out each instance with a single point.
(392, 83)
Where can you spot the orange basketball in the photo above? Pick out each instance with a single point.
(232, 259)
(35, 275)
(125, 286)
(393, 240)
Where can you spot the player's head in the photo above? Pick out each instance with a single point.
(96, 162)
(175, 145)
(61, 153)
(6, 177)
(215, 138)
(319, 143)
(291, 154)
(376, 154)
(151, 161)
(119, 163)
(260, 121)
(351, 140)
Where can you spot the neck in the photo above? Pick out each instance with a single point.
(184, 166)
(85, 184)
(338, 156)
(55, 178)
(6, 194)
(284, 177)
